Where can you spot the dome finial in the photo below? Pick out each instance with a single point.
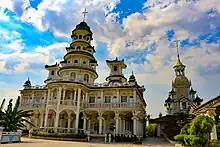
(132, 73)
(84, 15)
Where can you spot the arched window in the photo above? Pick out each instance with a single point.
(73, 75)
(80, 36)
(86, 78)
(115, 68)
(184, 105)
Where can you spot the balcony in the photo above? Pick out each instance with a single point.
(62, 103)
(112, 105)
(33, 106)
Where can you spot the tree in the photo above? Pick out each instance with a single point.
(13, 119)
(196, 134)
(151, 129)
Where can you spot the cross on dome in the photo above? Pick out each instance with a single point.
(84, 14)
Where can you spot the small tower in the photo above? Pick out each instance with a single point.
(116, 73)
(132, 79)
(27, 84)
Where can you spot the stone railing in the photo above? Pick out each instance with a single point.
(68, 103)
(60, 130)
(112, 105)
(33, 105)
(9, 137)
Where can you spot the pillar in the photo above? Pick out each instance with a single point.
(77, 109)
(158, 130)
(102, 96)
(89, 123)
(64, 94)
(214, 131)
(69, 121)
(41, 120)
(100, 125)
(74, 98)
(56, 122)
(46, 112)
(118, 97)
(135, 126)
(134, 96)
(84, 123)
(104, 126)
(86, 98)
(123, 126)
(117, 119)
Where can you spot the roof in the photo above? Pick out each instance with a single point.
(178, 63)
(198, 99)
(82, 26)
(54, 65)
(192, 90)
(168, 100)
(209, 104)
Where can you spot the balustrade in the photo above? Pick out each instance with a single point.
(33, 105)
(112, 105)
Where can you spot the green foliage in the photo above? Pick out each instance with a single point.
(13, 119)
(124, 138)
(151, 128)
(59, 135)
(215, 143)
(196, 133)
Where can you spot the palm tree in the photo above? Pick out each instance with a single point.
(13, 119)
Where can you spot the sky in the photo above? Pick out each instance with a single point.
(35, 32)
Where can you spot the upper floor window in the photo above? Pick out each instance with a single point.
(78, 47)
(115, 68)
(73, 75)
(107, 99)
(52, 72)
(84, 37)
(131, 97)
(124, 99)
(84, 62)
(80, 36)
(86, 78)
(75, 61)
(87, 38)
(92, 99)
(184, 105)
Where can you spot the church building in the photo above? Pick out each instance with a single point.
(182, 96)
(70, 100)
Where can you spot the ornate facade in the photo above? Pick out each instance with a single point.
(182, 96)
(71, 100)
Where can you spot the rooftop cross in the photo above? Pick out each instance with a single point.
(84, 14)
(177, 47)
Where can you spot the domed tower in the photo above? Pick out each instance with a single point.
(79, 63)
(182, 95)
(27, 84)
(116, 75)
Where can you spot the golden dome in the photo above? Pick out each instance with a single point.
(178, 63)
(181, 80)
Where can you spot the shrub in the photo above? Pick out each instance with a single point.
(196, 133)
(151, 129)
(59, 135)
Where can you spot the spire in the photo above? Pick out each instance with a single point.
(178, 62)
(84, 15)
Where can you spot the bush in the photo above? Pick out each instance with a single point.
(215, 143)
(196, 133)
(151, 129)
(124, 138)
(59, 135)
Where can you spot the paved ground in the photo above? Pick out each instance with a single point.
(153, 142)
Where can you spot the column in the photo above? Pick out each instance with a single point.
(123, 126)
(77, 109)
(46, 112)
(56, 122)
(102, 97)
(74, 99)
(84, 122)
(134, 96)
(118, 97)
(158, 130)
(214, 131)
(71, 95)
(100, 125)
(41, 120)
(87, 97)
(104, 126)
(89, 123)
(117, 119)
(69, 121)
(64, 94)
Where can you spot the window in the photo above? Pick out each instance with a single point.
(80, 36)
(84, 37)
(52, 72)
(115, 68)
(131, 97)
(168, 105)
(68, 61)
(78, 47)
(73, 75)
(84, 62)
(75, 61)
(87, 38)
(107, 99)
(99, 97)
(92, 99)
(184, 105)
(86, 78)
(124, 99)
(115, 97)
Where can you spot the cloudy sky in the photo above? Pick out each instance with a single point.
(35, 32)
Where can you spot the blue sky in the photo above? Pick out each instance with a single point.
(35, 32)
